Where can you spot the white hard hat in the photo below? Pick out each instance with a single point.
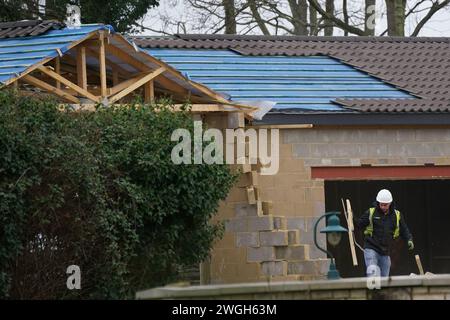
(384, 196)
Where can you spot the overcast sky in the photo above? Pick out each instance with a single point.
(176, 10)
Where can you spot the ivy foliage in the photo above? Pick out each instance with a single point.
(99, 190)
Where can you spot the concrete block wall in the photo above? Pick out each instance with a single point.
(353, 147)
(266, 244)
(301, 200)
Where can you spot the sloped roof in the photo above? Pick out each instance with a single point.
(27, 45)
(19, 54)
(295, 83)
(420, 66)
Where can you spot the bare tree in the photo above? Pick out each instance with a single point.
(345, 12)
(303, 17)
(329, 8)
(314, 24)
(259, 20)
(299, 9)
(336, 21)
(395, 10)
(230, 16)
(435, 7)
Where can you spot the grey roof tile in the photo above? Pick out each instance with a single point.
(420, 65)
(27, 28)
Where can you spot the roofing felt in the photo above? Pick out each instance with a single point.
(420, 66)
(19, 54)
(24, 50)
(302, 83)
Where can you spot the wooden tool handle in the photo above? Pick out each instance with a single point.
(419, 264)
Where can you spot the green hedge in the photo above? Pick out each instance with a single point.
(99, 190)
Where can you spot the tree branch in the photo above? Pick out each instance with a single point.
(257, 17)
(339, 23)
(434, 8)
(345, 12)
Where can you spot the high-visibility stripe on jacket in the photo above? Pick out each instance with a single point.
(369, 228)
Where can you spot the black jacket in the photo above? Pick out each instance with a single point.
(383, 229)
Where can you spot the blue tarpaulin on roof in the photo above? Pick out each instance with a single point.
(310, 83)
(19, 54)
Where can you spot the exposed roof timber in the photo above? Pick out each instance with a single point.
(212, 107)
(180, 97)
(95, 54)
(102, 61)
(44, 61)
(114, 55)
(124, 84)
(172, 71)
(81, 67)
(68, 83)
(45, 86)
(57, 64)
(149, 91)
(136, 84)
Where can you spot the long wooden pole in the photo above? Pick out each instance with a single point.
(350, 232)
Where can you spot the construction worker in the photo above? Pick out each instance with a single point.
(382, 224)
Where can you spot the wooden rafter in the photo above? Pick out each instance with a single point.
(95, 54)
(171, 80)
(125, 57)
(137, 84)
(183, 97)
(45, 86)
(124, 84)
(70, 84)
(176, 107)
(204, 108)
(175, 87)
(34, 67)
(162, 79)
(68, 67)
(144, 55)
(176, 74)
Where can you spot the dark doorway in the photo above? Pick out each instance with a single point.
(425, 204)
